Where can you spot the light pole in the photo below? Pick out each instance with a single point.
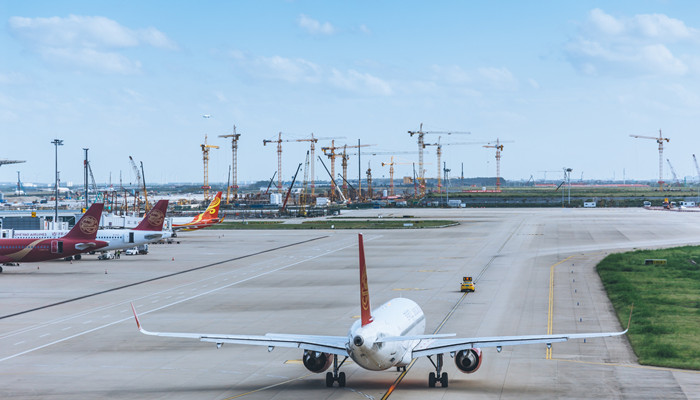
(56, 143)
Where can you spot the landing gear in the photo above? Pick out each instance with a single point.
(437, 376)
(0, 270)
(77, 256)
(401, 369)
(335, 376)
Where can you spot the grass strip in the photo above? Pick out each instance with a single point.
(665, 328)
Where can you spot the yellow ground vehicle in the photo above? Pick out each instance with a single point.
(467, 284)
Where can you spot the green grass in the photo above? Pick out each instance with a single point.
(335, 224)
(665, 328)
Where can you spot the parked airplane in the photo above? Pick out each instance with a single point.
(149, 230)
(390, 336)
(78, 240)
(209, 217)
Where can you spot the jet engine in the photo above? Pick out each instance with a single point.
(468, 361)
(317, 362)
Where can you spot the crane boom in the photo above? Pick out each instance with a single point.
(660, 140)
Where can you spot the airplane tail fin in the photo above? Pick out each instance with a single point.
(86, 228)
(153, 221)
(366, 313)
(212, 211)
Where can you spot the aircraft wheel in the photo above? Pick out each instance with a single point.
(77, 256)
(329, 379)
(443, 379)
(0, 270)
(341, 379)
(431, 379)
(68, 258)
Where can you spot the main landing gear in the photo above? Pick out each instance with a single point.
(436, 376)
(334, 376)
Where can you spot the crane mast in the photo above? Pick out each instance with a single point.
(233, 187)
(137, 197)
(279, 159)
(205, 158)
(660, 140)
(499, 147)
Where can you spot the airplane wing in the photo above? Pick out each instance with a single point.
(439, 346)
(325, 344)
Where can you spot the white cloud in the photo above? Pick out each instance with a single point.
(364, 29)
(84, 41)
(315, 27)
(501, 78)
(643, 43)
(360, 82)
(299, 70)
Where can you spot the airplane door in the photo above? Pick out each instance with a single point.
(56, 246)
(131, 237)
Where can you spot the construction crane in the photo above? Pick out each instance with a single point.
(312, 159)
(234, 164)
(303, 196)
(697, 169)
(279, 159)
(660, 141)
(205, 158)
(673, 172)
(421, 146)
(439, 157)
(499, 147)
(369, 180)
(137, 197)
(391, 172)
(330, 152)
(369, 170)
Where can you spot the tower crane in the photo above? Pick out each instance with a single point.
(312, 148)
(421, 146)
(205, 158)
(499, 147)
(137, 197)
(369, 180)
(673, 172)
(660, 141)
(332, 154)
(279, 159)
(697, 169)
(369, 170)
(439, 157)
(234, 164)
(391, 172)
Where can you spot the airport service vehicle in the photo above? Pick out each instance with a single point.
(209, 217)
(389, 336)
(467, 284)
(150, 229)
(78, 240)
(132, 251)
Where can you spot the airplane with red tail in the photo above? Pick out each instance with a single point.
(209, 217)
(78, 240)
(392, 335)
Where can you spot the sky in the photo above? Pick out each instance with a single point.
(562, 83)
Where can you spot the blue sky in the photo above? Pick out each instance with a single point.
(565, 83)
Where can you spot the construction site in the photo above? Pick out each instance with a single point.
(306, 195)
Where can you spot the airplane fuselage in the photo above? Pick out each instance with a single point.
(397, 317)
(116, 238)
(32, 250)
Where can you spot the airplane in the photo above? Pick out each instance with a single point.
(389, 336)
(150, 229)
(78, 240)
(209, 217)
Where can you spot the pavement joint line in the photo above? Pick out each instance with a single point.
(550, 309)
(168, 305)
(269, 386)
(158, 278)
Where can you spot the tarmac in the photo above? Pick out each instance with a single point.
(67, 331)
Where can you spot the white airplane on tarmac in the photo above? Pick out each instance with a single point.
(150, 229)
(389, 336)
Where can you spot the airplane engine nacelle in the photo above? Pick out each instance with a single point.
(468, 361)
(317, 362)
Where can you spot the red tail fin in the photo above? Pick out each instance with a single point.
(86, 228)
(153, 221)
(364, 288)
(212, 211)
